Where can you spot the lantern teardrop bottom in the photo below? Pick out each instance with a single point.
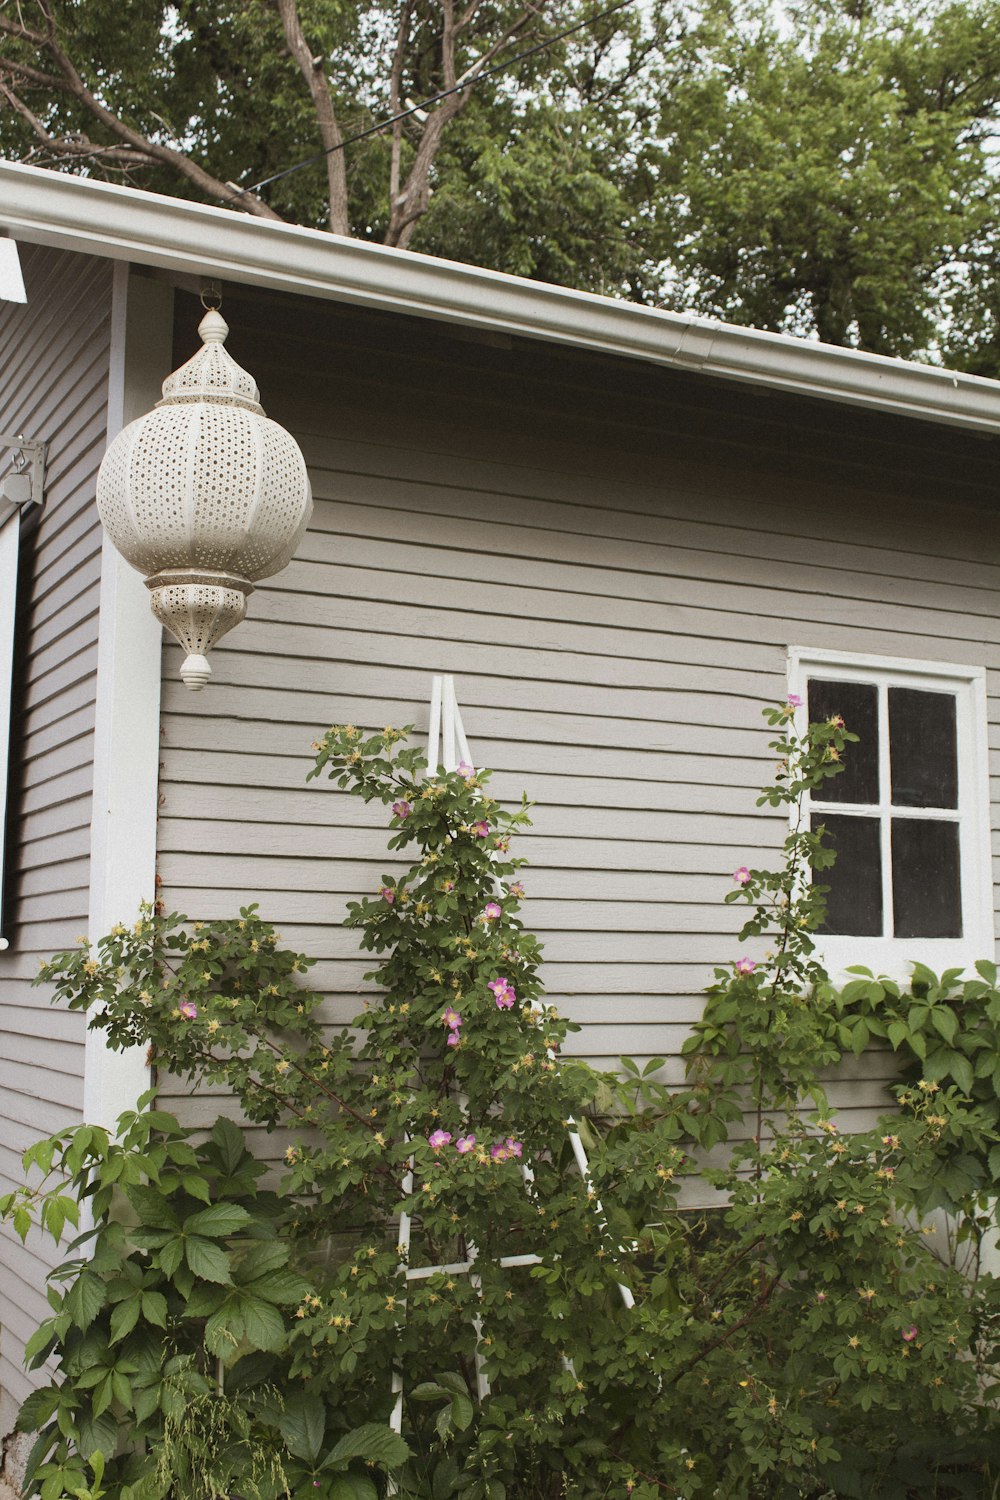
(204, 496)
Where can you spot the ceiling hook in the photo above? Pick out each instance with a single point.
(211, 296)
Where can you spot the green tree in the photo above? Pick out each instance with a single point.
(206, 101)
(830, 170)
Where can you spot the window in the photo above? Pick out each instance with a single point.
(909, 815)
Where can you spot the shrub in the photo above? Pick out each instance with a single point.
(802, 1339)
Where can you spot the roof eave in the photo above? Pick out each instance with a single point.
(191, 238)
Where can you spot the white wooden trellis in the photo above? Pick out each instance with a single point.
(448, 746)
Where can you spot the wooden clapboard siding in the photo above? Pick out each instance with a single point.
(54, 360)
(612, 560)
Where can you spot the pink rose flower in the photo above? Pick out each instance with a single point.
(909, 1334)
(452, 1018)
(793, 700)
(464, 769)
(503, 993)
(514, 1147)
(741, 875)
(465, 1143)
(454, 1039)
(481, 829)
(744, 966)
(402, 809)
(438, 1139)
(516, 889)
(388, 894)
(491, 911)
(188, 1010)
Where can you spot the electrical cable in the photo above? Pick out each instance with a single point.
(457, 88)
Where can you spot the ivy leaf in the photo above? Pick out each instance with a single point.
(154, 1308)
(945, 1023)
(220, 1221)
(85, 1299)
(207, 1260)
(171, 1255)
(152, 1208)
(124, 1317)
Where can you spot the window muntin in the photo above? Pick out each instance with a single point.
(910, 813)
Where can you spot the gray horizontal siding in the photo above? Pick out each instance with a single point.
(54, 360)
(612, 562)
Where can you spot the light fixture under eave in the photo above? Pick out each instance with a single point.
(204, 496)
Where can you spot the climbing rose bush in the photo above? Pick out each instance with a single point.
(541, 1332)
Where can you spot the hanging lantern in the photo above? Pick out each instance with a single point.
(204, 496)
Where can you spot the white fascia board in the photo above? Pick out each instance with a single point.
(195, 239)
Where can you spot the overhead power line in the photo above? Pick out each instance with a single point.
(458, 88)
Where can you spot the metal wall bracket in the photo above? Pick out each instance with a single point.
(32, 454)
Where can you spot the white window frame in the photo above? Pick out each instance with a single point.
(890, 955)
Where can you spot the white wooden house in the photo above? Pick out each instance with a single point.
(621, 530)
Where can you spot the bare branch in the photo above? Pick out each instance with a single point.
(313, 72)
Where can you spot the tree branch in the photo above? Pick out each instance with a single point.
(72, 84)
(410, 204)
(313, 72)
(78, 147)
(395, 102)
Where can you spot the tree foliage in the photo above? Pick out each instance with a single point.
(830, 170)
(825, 168)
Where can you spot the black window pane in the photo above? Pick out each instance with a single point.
(923, 748)
(854, 901)
(926, 882)
(857, 705)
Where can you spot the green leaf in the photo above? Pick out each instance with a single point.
(232, 1147)
(154, 1308)
(204, 1301)
(280, 1287)
(36, 1410)
(124, 1317)
(207, 1260)
(373, 1442)
(170, 1256)
(462, 1412)
(85, 1299)
(302, 1425)
(353, 1487)
(264, 1325)
(219, 1222)
(152, 1208)
(945, 1022)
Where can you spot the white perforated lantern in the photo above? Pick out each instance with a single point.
(204, 496)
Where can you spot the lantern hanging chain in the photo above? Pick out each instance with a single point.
(458, 88)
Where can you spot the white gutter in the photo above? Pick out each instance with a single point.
(103, 219)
